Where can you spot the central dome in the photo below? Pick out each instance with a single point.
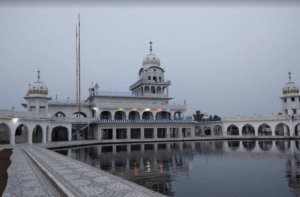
(151, 59)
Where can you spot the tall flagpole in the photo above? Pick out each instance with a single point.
(76, 67)
(79, 71)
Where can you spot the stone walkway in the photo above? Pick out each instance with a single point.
(84, 180)
(25, 179)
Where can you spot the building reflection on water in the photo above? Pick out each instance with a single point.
(156, 165)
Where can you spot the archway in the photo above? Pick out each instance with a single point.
(165, 90)
(147, 115)
(59, 114)
(232, 130)
(4, 134)
(265, 145)
(283, 145)
(207, 130)
(217, 130)
(134, 115)
(21, 135)
(120, 115)
(158, 90)
(233, 145)
(105, 115)
(59, 134)
(248, 130)
(152, 90)
(37, 134)
(297, 129)
(76, 114)
(264, 130)
(249, 145)
(282, 129)
(147, 89)
(198, 131)
(163, 115)
(178, 115)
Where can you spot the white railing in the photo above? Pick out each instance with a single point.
(258, 117)
(74, 119)
(146, 120)
(140, 106)
(21, 114)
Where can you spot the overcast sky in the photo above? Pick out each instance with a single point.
(226, 60)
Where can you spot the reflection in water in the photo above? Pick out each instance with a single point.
(176, 167)
(249, 145)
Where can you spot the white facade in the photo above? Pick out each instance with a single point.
(144, 114)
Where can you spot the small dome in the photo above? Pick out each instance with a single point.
(151, 60)
(38, 88)
(290, 88)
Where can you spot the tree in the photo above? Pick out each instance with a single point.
(216, 117)
(198, 115)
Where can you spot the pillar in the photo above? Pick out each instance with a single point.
(142, 133)
(292, 129)
(168, 132)
(212, 132)
(70, 133)
(128, 148)
(155, 132)
(29, 135)
(155, 148)
(44, 135)
(180, 132)
(284, 130)
(114, 133)
(192, 132)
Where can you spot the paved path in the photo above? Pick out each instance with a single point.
(84, 180)
(25, 179)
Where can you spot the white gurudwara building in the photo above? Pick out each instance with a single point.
(144, 114)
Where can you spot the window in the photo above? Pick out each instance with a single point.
(154, 70)
(294, 111)
(149, 78)
(159, 78)
(293, 99)
(285, 100)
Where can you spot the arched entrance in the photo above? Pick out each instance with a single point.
(178, 115)
(4, 134)
(265, 145)
(37, 134)
(59, 134)
(163, 115)
(198, 131)
(232, 130)
(120, 115)
(147, 115)
(152, 90)
(77, 114)
(59, 114)
(282, 129)
(21, 135)
(105, 115)
(147, 89)
(264, 130)
(248, 130)
(207, 130)
(217, 130)
(134, 115)
(249, 145)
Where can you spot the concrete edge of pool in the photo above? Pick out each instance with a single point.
(74, 178)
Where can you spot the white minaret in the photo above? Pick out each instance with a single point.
(291, 99)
